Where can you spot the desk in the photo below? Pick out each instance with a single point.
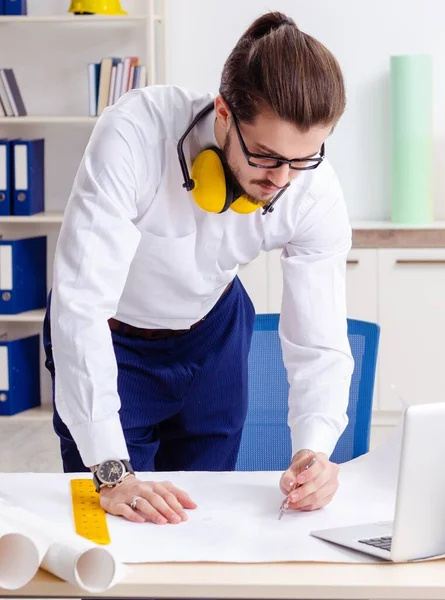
(420, 581)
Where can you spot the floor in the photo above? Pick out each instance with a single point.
(29, 447)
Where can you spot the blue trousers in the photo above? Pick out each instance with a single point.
(183, 399)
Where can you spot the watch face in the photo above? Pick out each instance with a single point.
(110, 471)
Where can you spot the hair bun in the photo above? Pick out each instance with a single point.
(269, 22)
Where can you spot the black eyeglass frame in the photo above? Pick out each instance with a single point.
(280, 161)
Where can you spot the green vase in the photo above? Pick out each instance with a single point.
(412, 139)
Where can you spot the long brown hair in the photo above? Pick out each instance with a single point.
(276, 66)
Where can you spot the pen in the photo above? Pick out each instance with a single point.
(285, 505)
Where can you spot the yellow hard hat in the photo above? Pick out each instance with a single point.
(97, 7)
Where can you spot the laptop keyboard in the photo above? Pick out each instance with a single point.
(383, 542)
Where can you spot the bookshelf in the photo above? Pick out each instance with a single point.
(52, 74)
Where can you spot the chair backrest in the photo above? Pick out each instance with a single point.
(266, 443)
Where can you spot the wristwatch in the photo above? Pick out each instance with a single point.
(111, 472)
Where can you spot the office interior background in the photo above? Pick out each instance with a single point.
(395, 271)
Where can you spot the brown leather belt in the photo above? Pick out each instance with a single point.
(154, 334)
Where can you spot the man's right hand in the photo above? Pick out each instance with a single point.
(159, 503)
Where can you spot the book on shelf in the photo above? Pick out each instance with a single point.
(13, 7)
(110, 79)
(11, 101)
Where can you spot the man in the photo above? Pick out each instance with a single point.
(151, 328)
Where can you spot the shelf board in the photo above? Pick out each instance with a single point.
(40, 413)
(43, 217)
(47, 119)
(78, 19)
(30, 316)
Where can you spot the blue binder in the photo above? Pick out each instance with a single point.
(22, 275)
(29, 177)
(19, 374)
(15, 7)
(2, 7)
(5, 177)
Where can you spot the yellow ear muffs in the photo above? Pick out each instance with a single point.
(244, 206)
(210, 191)
(214, 190)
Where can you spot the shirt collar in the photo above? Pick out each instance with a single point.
(206, 131)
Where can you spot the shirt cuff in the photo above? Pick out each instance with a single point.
(100, 440)
(317, 435)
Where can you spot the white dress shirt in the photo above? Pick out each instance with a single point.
(134, 245)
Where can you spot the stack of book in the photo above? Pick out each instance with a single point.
(110, 79)
(13, 7)
(11, 102)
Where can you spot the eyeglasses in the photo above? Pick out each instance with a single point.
(262, 161)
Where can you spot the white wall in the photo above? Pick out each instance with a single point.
(362, 35)
(51, 68)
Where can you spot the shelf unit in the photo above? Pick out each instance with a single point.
(76, 19)
(43, 217)
(30, 316)
(105, 32)
(153, 15)
(48, 120)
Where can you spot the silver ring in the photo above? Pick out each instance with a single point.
(134, 501)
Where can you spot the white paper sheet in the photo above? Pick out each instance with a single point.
(236, 519)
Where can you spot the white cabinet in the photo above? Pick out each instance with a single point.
(411, 313)
(361, 293)
(361, 285)
(403, 290)
(262, 279)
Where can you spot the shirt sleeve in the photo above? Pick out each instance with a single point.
(95, 248)
(313, 324)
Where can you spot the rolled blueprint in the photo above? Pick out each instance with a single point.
(412, 139)
(19, 557)
(82, 563)
(62, 553)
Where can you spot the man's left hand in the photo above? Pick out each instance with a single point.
(318, 483)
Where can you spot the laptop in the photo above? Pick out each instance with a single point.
(418, 529)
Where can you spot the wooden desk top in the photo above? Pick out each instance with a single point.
(421, 581)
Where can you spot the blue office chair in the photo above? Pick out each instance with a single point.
(266, 444)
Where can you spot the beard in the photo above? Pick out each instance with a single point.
(235, 173)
